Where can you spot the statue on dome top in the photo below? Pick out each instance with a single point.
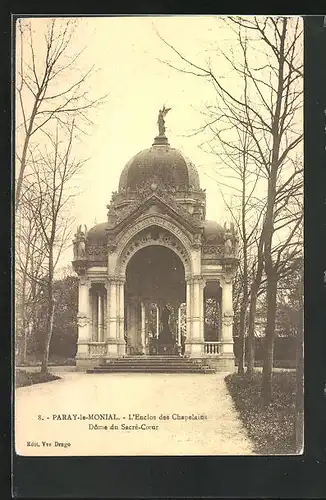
(161, 121)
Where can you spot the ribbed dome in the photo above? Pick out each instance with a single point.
(97, 232)
(161, 164)
(212, 230)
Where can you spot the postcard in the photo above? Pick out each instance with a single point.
(158, 236)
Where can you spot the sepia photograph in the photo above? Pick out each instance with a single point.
(159, 258)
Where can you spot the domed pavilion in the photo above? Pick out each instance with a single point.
(155, 272)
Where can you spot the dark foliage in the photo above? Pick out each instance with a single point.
(284, 348)
(24, 378)
(272, 426)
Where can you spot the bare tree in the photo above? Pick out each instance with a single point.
(43, 94)
(53, 168)
(246, 212)
(268, 108)
(29, 271)
(52, 94)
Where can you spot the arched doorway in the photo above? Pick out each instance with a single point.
(154, 291)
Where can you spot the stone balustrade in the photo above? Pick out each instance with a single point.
(212, 347)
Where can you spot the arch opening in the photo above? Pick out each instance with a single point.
(153, 235)
(154, 291)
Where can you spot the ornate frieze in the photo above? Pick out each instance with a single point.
(212, 251)
(150, 236)
(97, 250)
(153, 220)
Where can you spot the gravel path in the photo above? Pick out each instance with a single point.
(80, 395)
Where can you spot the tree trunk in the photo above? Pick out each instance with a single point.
(269, 341)
(244, 303)
(24, 323)
(251, 329)
(48, 336)
(242, 329)
(253, 306)
(299, 424)
(49, 318)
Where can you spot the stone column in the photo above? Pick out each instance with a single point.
(112, 340)
(143, 327)
(197, 318)
(157, 321)
(84, 319)
(188, 309)
(179, 325)
(195, 341)
(132, 326)
(100, 304)
(94, 314)
(121, 319)
(227, 318)
(202, 310)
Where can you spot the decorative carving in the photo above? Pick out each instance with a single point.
(213, 251)
(124, 212)
(148, 236)
(112, 215)
(228, 244)
(227, 277)
(151, 220)
(145, 191)
(83, 280)
(197, 241)
(228, 318)
(198, 212)
(97, 250)
(231, 241)
(80, 266)
(97, 350)
(82, 320)
(111, 243)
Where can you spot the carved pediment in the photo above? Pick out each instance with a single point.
(155, 204)
(154, 209)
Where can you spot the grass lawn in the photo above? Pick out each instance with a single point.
(272, 427)
(24, 378)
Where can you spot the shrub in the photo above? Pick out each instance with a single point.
(24, 378)
(271, 427)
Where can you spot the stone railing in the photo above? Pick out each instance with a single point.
(97, 349)
(212, 348)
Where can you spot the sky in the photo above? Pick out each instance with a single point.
(127, 54)
(138, 84)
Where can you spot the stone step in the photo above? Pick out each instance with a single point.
(147, 364)
(148, 368)
(151, 359)
(152, 364)
(138, 369)
(157, 363)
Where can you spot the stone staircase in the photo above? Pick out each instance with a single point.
(152, 364)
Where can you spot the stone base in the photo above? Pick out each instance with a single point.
(221, 363)
(82, 364)
(194, 349)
